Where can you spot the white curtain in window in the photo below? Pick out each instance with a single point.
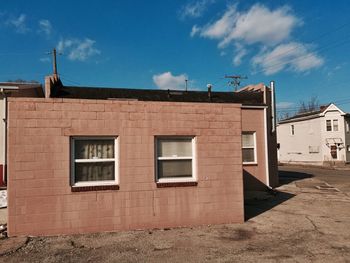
(248, 140)
(85, 172)
(92, 149)
(178, 148)
(248, 147)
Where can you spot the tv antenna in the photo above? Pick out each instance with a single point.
(236, 80)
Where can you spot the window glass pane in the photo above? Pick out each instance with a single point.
(248, 140)
(87, 172)
(329, 125)
(335, 125)
(175, 147)
(174, 168)
(94, 149)
(248, 155)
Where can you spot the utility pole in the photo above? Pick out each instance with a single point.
(54, 60)
(236, 80)
(186, 80)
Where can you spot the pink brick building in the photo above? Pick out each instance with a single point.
(89, 160)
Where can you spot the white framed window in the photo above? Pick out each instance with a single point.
(94, 161)
(292, 129)
(335, 125)
(328, 125)
(347, 126)
(348, 148)
(176, 159)
(249, 148)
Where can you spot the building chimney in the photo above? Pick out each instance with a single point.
(323, 107)
(51, 82)
(48, 86)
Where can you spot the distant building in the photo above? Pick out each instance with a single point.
(319, 137)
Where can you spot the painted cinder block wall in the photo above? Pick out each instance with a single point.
(255, 174)
(40, 200)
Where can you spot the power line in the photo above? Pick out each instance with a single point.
(338, 102)
(69, 80)
(21, 53)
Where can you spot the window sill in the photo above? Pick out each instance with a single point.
(176, 184)
(250, 164)
(94, 188)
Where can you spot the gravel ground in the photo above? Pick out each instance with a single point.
(308, 220)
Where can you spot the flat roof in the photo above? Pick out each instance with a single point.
(22, 89)
(76, 92)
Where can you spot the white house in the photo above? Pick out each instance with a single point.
(318, 137)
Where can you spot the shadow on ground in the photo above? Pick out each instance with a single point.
(286, 177)
(259, 199)
(256, 206)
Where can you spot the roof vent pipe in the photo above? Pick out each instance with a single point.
(209, 86)
(273, 106)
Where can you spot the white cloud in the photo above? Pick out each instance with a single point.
(195, 30)
(221, 28)
(257, 25)
(265, 29)
(261, 25)
(78, 49)
(285, 105)
(195, 9)
(45, 26)
(166, 80)
(294, 56)
(19, 23)
(240, 53)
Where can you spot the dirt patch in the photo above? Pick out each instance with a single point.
(237, 235)
(296, 225)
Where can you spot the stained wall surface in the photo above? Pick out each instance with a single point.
(40, 198)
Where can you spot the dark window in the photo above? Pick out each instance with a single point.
(328, 125)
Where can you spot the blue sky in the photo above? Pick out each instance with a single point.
(303, 45)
